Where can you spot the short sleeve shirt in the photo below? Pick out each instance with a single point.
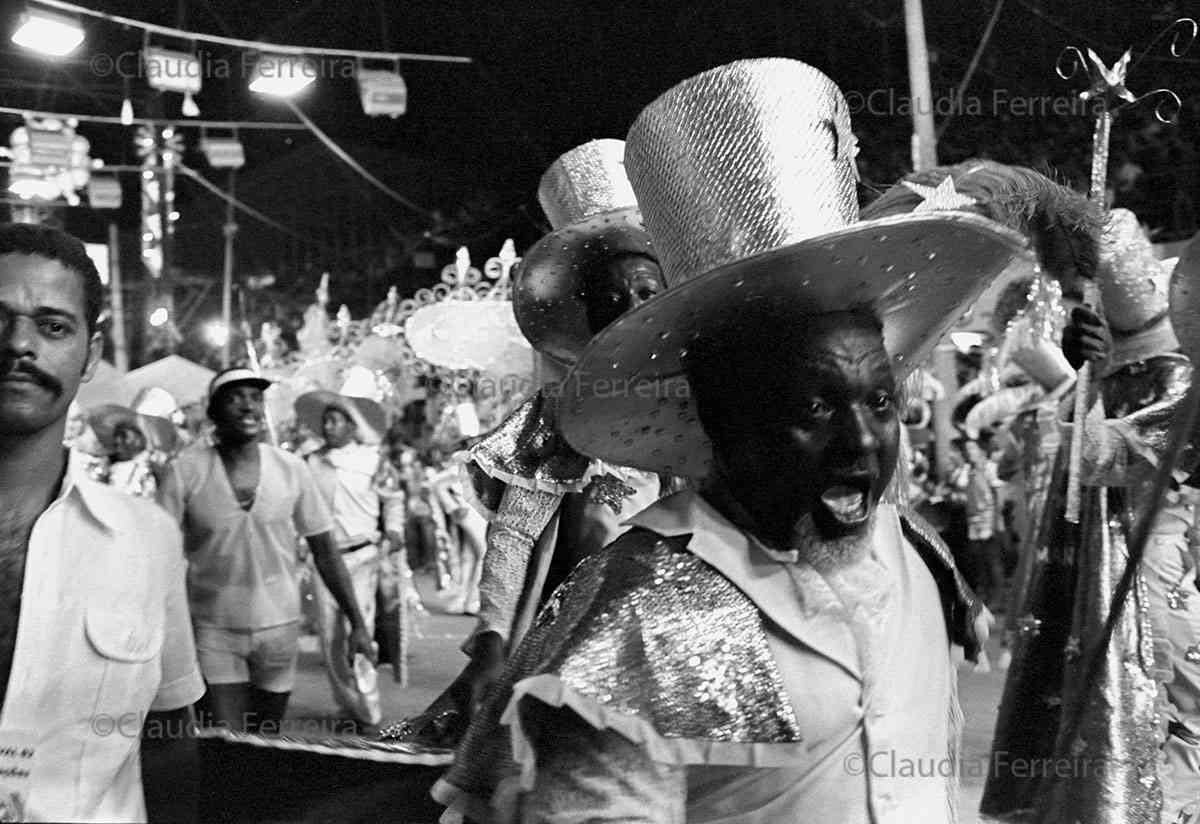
(103, 638)
(242, 564)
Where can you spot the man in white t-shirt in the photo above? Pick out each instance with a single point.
(242, 505)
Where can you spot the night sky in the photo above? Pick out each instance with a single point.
(550, 75)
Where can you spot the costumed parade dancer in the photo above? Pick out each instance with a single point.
(1171, 568)
(344, 469)
(550, 506)
(1081, 694)
(729, 657)
(1107, 730)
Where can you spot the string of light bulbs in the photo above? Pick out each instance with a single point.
(274, 48)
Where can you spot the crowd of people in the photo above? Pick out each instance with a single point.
(703, 588)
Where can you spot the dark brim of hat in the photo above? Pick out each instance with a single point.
(627, 401)
(367, 415)
(550, 284)
(1185, 300)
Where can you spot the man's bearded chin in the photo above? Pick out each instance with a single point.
(832, 553)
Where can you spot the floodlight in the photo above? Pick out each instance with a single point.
(282, 75)
(51, 34)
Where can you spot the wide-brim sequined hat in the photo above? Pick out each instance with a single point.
(1063, 228)
(587, 198)
(1185, 300)
(746, 178)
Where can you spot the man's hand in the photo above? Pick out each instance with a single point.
(486, 667)
(360, 641)
(1086, 337)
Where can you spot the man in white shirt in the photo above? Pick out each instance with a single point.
(344, 469)
(243, 504)
(95, 641)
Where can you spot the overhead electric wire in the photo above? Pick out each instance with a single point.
(212, 188)
(354, 164)
(970, 72)
(273, 48)
(144, 121)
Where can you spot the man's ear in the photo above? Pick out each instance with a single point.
(95, 350)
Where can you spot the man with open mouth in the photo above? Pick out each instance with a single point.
(774, 645)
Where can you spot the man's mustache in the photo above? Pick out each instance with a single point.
(47, 382)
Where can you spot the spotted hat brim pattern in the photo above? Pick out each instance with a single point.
(550, 284)
(627, 400)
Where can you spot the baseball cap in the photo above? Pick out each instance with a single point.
(238, 374)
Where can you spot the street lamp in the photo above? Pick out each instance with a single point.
(216, 333)
(282, 75)
(54, 35)
(159, 317)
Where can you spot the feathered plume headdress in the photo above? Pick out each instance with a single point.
(1063, 226)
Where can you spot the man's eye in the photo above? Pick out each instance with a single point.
(55, 328)
(882, 402)
(817, 408)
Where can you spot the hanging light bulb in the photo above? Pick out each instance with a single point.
(126, 113)
(190, 109)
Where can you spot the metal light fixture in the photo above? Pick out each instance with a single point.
(104, 192)
(51, 34)
(223, 152)
(383, 92)
(282, 75)
(173, 71)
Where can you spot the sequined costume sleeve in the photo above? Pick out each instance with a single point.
(588, 775)
(1124, 449)
(520, 519)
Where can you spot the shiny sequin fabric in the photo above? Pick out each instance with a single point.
(526, 450)
(1107, 771)
(1134, 283)
(647, 630)
(584, 182)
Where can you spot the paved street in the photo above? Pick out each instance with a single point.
(436, 660)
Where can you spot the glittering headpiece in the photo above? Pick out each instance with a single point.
(587, 198)
(746, 177)
(1133, 282)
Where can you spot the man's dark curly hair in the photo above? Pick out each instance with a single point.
(57, 245)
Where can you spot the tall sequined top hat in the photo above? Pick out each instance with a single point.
(1185, 299)
(746, 178)
(591, 206)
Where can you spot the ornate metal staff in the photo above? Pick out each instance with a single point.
(1108, 87)
(1109, 91)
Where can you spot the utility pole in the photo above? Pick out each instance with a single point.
(229, 230)
(924, 157)
(120, 346)
(924, 140)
